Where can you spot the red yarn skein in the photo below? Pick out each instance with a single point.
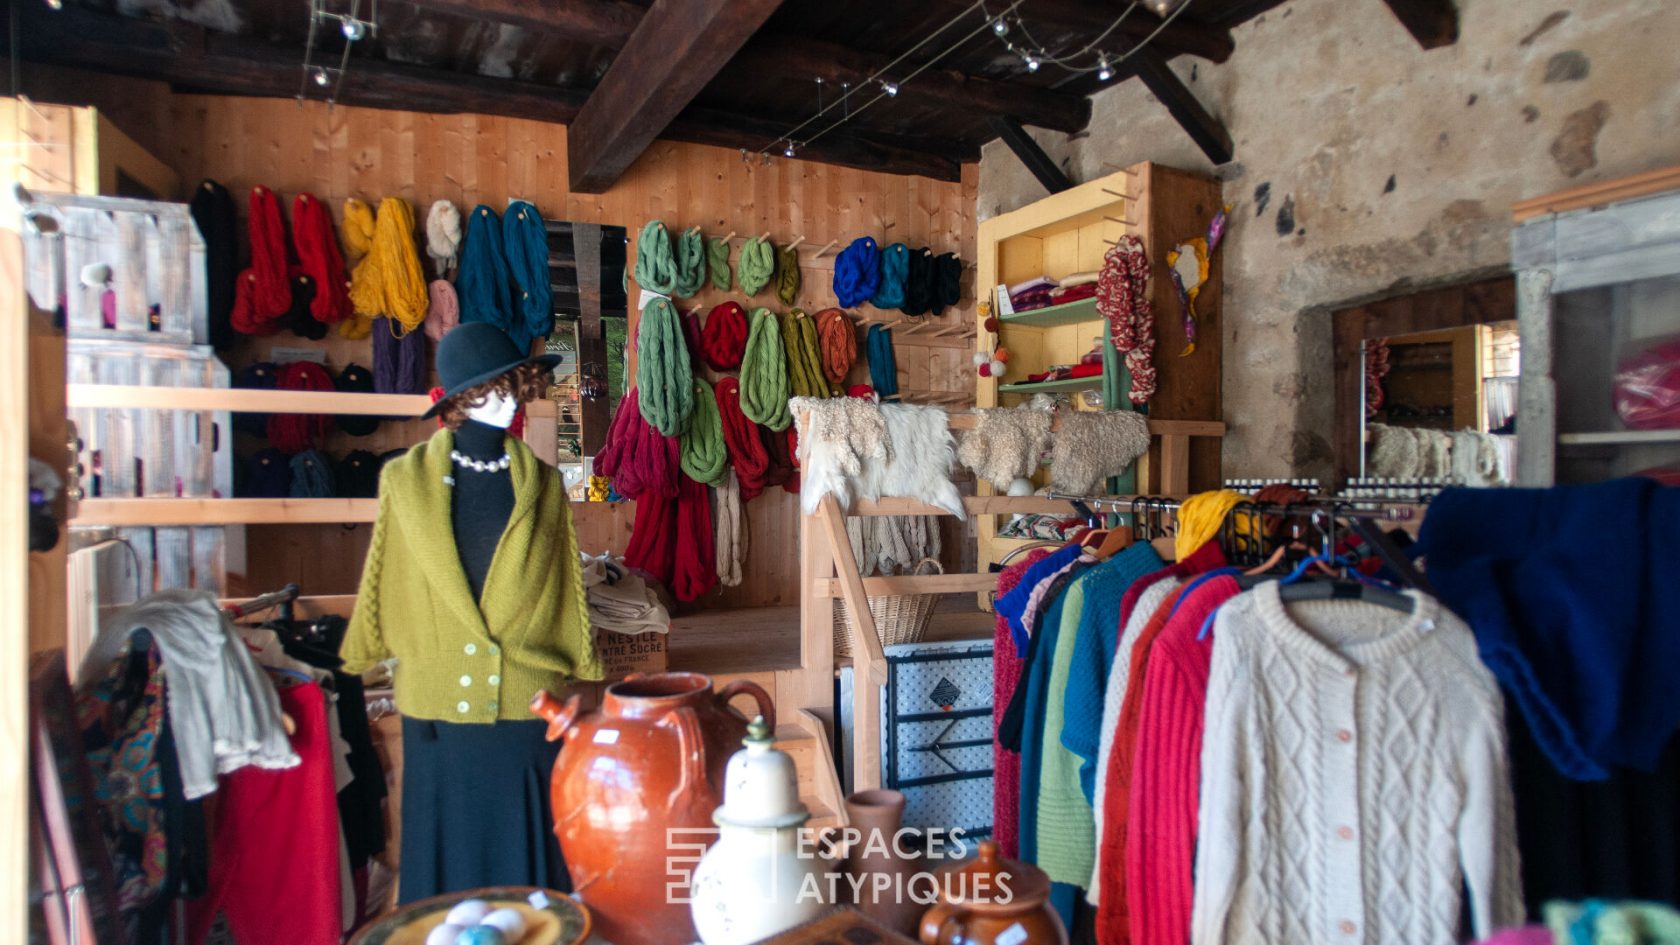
(724, 338)
(740, 438)
(316, 243)
(292, 433)
(271, 295)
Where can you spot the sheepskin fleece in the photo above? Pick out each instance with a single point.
(1005, 444)
(921, 452)
(1393, 452)
(1475, 459)
(1434, 454)
(443, 234)
(1093, 445)
(838, 440)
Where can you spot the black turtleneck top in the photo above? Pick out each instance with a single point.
(482, 501)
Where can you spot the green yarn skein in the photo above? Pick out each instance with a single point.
(764, 374)
(704, 454)
(717, 263)
(656, 268)
(690, 264)
(664, 375)
(799, 339)
(757, 265)
(787, 274)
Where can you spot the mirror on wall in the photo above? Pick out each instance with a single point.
(1426, 387)
(1440, 406)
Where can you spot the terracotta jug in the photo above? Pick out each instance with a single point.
(880, 862)
(634, 790)
(992, 901)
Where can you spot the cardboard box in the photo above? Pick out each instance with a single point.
(624, 653)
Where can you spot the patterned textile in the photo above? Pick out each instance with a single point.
(1123, 299)
(121, 719)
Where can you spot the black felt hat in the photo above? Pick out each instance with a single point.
(475, 352)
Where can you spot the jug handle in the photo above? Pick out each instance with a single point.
(766, 707)
(939, 925)
(560, 715)
(690, 744)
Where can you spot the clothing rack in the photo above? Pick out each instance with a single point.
(282, 598)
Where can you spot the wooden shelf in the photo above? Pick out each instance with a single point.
(1094, 382)
(1068, 313)
(244, 400)
(134, 512)
(1619, 438)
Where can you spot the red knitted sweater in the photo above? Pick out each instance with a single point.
(1006, 675)
(1166, 772)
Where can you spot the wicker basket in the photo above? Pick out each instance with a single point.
(899, 618)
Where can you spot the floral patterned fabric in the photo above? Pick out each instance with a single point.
(121, 719)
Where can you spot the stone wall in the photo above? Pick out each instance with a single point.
(1366, 166)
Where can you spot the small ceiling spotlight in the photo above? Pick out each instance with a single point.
(353, 29)
(320, 76)
(891, 88)
(1031, 62)
(1104, 73)
(788, 151)
(1163, 7)
(1000, 26)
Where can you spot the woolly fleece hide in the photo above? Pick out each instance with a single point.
(1005, 444)
(838, 440)
(1093, 445)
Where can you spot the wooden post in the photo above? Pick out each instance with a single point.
(869, 663)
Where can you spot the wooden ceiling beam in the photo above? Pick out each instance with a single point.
(1207, 131)
(195, 60)
(1433, 23)
(676, 49)
(607, 23)
(1028, 151)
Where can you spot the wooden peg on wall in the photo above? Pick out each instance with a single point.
(1116, 193)
(796, 241)
(730, 236)
(765, 235)
(1118, 220)
(826, 247)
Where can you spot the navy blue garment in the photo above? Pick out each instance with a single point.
(1570, 594)
(1014, 604)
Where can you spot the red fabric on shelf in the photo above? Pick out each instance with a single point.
(274, 867)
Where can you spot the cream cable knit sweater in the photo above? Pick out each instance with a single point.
(1353, 772)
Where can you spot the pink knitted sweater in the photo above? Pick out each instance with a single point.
(1006, 675)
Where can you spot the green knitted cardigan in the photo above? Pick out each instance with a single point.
(460, 660)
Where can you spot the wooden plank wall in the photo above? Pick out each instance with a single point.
(343, 152)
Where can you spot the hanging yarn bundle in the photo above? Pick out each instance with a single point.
(640, 461)
(694, 572)
(740, 437)
(724, 337)
(399, 360)
(883, 366)
(271, 294)
(312, 476)
(292, 433)
(946, 288)
(656, 267)
(355, 379)
(663, 374)
(799, 340)
(525, 240)
(356, 229)
(652, 549)
(244, 317)
(443, 236)
(730, 542)
(268, 475)
(299, 317)
(837, 339)
(787, 274)
(690, 263)
(764, 373)
(318, 256)
(779, 470)
(757, 265)
(443, 312)
(483, 283)
(692, 340)
(857, 272)
(704, 454)
(895, 268)
(389, 281)
(213, 211)
(717, 264)
(1123, 299)
(918, 284)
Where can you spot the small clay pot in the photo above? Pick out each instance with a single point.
(880, 869)
(992, 901)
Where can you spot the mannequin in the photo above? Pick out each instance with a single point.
(478, 615)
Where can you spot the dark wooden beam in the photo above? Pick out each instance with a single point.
(193, 59)
(1031, 154)
(676, 49)
(1202, 127)
(607, 23)
(1433, 23)
(1183, 35)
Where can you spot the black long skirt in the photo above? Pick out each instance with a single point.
(475, 808)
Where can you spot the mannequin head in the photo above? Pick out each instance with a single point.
(494, 402)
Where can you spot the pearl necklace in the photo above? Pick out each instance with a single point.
(478, 465)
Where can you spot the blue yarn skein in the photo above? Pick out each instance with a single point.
(883, 366)
(857, 272)
(895, 267)
(483, 284)
(526, 242)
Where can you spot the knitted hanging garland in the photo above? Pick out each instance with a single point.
(895, 268)
(837, 338)
(318, 256)
(704, 454)
(483, 283)
(764, 373)
(740, 436)
(724, 337)
(663, 374)
(1123, 299)
(857, 272)
(690, 263)
(787, 274)
(656, 267)
(525, 240)
(757, 265)
(717, 264)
